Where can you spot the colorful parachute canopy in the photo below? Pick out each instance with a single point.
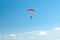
(32, 10)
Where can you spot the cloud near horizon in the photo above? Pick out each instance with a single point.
(42, 33)
(12, 35)
(33, 35)
(56, 28)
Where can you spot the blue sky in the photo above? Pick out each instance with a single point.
(15, 18)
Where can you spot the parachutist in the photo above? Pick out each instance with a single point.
(31, 10)
(30, 17)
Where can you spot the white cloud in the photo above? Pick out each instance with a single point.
(13, 35)
(42, 33)
(56, 29)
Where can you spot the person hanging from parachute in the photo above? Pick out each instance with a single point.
(31, 10)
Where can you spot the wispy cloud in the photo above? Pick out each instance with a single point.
(56, 28)
(12, 35)
(42, 33)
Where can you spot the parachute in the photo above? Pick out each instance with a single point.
(31, 10)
